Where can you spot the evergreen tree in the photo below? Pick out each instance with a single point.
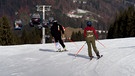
(31, 37)
(6, 36)
(73, 37)
(0, 31)
(25, 37)
(77, 36)
(123, 26)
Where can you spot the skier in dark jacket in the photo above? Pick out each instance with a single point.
(90, 37)
(56, 31)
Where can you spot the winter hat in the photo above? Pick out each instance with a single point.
(89, 23)
(55, 22)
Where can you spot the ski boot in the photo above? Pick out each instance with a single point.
(91, 57)
(64, 49)
(98, 56)
(59, 50)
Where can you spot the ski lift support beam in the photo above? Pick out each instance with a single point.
(43, 8)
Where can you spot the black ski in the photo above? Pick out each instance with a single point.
(100, 57)
(96, 57)
(61, 50)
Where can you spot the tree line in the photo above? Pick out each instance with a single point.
(6, 35)
(9, 36)
(77, 36)
(124, 24)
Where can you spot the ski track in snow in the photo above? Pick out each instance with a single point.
(42, 60)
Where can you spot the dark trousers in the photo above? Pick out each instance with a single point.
(58, 39)
(91, 41)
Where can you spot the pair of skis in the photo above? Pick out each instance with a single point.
(97, 57)
(61, 50)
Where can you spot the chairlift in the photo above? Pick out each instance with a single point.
(45, 23)
(35, 20)
(39, 26)
(31, 24)
(18, 24)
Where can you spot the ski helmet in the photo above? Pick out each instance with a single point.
(89, 23)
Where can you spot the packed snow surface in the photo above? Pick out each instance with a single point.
(42, 60)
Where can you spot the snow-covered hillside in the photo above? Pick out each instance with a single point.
(42, 60)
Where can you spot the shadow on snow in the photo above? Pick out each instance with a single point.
(82, 56)
(47, 50)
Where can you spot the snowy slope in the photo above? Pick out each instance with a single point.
(42, 60)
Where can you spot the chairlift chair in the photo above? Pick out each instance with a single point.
(18, 24)
(35, 19)
(31, 24)
(45, 23)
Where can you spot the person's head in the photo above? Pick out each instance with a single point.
(55, 22)
(89, 23)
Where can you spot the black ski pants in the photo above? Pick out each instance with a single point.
(58, 39)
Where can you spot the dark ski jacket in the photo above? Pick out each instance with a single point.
(90, 28)
(56, 30)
